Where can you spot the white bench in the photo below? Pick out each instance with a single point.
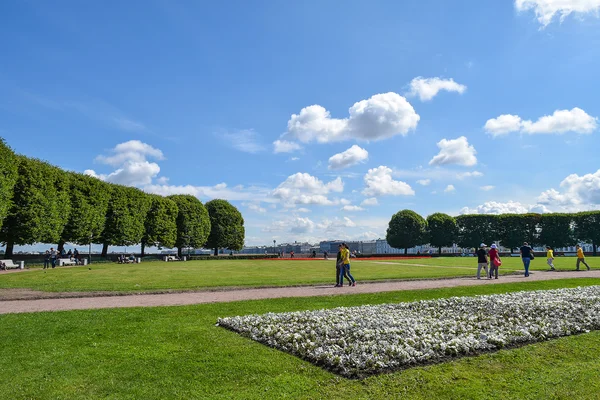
(171, 258)
(66, 261)
(10, 264)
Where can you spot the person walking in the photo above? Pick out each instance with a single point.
(340, 273)
(47, 259)
(550, 257)
(581, 258)
(494, 261)
(346, 265)
(526, 257)
(482, 260)
(53, 255)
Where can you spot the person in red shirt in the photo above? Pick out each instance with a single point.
(494, 261)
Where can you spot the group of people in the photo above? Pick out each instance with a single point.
(492, 259)
(51, 257)
(342, 267)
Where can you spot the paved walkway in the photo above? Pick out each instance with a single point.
(200, 297)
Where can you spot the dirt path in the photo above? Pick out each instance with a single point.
(176, 299)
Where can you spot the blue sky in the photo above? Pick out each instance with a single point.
(317, 119)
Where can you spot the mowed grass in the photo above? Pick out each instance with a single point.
(157, 276)
(179, 353)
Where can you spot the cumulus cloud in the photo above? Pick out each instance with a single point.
(469, 174)
(546, 10)
(424, 182)
(372, 201)
(329, 225)
(133, 150)
(246, 140)
(379, 182)
(455, 151)
(255, 207)
(577, 193)
(302, 225)
(351, 208)
(487, 188)
(303, 188)
(379, 117)
(510, 207)
(354, 155)
(219, 191)
(284, 146)
(450, 189)
(428, 88)
(561, 121)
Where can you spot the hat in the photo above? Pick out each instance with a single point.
(494, 246)
(483, 245)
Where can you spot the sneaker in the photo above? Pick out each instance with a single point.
(353, 283)
(589, 268)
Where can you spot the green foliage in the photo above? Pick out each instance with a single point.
(161, 223)
(40, 204)
(226, 226)
(441, 230)
(193, 222)
(8, 178)
(125, 216)
(519, 228)
(557, 230)
(406, 229)
(89, 203)
(477, 228)
(587, 227)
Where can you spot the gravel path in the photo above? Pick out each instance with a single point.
(178, 299)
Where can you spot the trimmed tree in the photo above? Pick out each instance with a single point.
(515, 229)
(8, 178)
(406, 229)
(477, 228)
(226, 226)
(125, 217)
(441, 230)
(161, 223)
(40, 205)
(193, 222)
(556, 230)
(586, 228)
(89, 204)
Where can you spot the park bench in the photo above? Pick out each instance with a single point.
(10, 264)
(66, 261)
(172, 258)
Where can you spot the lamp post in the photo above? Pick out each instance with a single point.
(90, 251)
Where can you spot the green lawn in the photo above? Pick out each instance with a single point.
(179, 353)
(206, 274)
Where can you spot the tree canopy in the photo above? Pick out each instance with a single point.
(556, 230)
(441, 230)
(193, 222)
(406, 229)
(226, 226)
(8, 178)
(160, 224)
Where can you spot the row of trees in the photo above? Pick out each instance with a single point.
(40, 203)
(408, 229)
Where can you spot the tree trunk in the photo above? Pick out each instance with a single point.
(595, 248)
(10, 246)
(440, 250)
(61, 246)
(180, 252)
(143, 248)
(104, 249)
(405, 251)
(216, 251)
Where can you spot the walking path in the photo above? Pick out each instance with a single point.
(200, 297)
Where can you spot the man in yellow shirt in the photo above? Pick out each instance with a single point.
(345, 253)
(581, 258)
(550, 257)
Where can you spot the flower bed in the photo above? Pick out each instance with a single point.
(359, 341)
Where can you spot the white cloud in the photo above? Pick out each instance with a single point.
(455, 151)
(294, 158)
(424, 182)
(487, 188)
(578, 193)
(510, 207)
(348, 158)
(469, 174)
(351, 208)
(546, 10)
(333, 225)
(302, 225)
(372, 201)
(284, 146)
(256, 208)
(379, 117)
(246, 140)
(428, 88)
(219, 191)
(561, 121)
(379, 182)
(133, 150)
(450, 189)
(303, 188)
(435, 174)
(302, 210)
(163, 180)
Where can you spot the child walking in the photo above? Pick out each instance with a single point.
(550, 257)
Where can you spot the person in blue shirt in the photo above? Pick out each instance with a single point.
(526, 256)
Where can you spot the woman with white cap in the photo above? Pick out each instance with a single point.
(494, 261)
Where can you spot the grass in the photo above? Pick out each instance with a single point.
(178, 352)
(155, 276)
